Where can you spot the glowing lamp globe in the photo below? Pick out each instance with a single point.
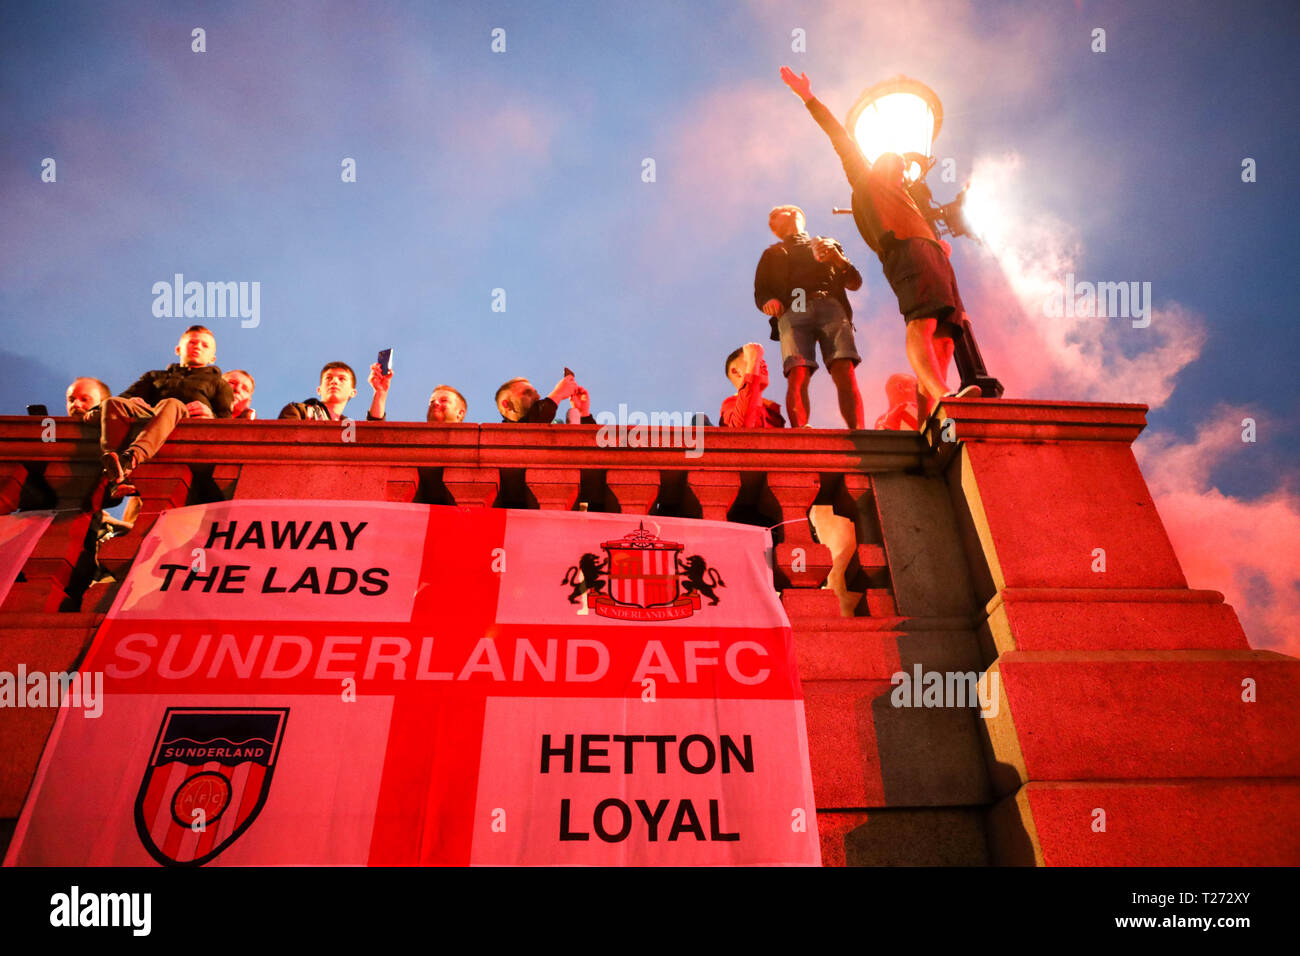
(900, 115)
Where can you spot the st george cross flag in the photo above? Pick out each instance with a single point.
(352, 683)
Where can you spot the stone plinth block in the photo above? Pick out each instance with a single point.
(842, 749)
(806, 603)
(925, 557)
(1128, 715)
(1082, 619)
(1065, 515)
(866, 753)
(341, 480)
(855, 653)
(1149, 823)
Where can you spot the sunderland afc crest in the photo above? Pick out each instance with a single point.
(643, 578)
(208, 776)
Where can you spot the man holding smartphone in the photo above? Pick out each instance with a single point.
(338, 386)
(519, 402)
(800, 284)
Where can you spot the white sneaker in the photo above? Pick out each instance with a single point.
(970, 391)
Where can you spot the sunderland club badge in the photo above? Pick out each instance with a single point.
(207, 779)
(643, 578)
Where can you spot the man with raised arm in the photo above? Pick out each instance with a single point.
(242, 385)
(747, 371)
(519, 402)
(338, 386)
(913, 260)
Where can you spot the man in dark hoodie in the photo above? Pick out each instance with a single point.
(338, 386)
(191, 388)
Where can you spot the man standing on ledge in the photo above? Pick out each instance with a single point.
(915, 264)
(800, 285)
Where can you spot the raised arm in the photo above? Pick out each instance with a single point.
(855, 164)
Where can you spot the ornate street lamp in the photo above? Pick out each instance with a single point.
(903, 116)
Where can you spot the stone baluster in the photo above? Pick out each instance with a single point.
(473, 487)
(869, 568)
(556, 489)
(635, 489)
(715, 490)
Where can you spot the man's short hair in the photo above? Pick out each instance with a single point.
(249, 376)
(726, 369)
(447, 388)
(505, 389)
(776, 209)
(343, 365)
(198, 328)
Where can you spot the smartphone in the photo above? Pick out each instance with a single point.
(386, 361)
(38, 410)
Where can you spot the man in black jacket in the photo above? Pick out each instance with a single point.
(519, 402)
(191, 388)
(799, 285)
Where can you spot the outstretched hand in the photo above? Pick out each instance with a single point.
(800, 84)
(377, 379)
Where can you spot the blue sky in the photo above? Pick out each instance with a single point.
(522, 171)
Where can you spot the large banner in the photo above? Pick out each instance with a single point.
(307, 682)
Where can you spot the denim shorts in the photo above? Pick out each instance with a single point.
(824, 321)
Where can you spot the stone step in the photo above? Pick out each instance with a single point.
(1229, 822)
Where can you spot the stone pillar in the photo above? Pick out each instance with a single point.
(1134, 724)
